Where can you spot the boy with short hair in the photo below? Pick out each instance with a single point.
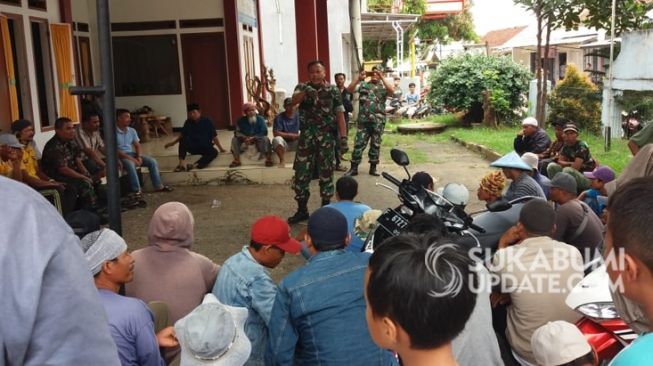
(599, 176)
(628, 239)
(412, 308)
(346, 191)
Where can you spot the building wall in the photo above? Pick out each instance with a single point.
(280, 41)
(339, 28)
(52, 15)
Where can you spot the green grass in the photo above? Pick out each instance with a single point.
(499, 140)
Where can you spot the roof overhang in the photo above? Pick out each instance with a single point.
(379, 26)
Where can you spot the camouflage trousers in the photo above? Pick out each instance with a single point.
(372, 132)
(312, 151)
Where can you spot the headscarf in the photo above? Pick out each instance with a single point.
(494, 183)
(247, 106)
(171, 227)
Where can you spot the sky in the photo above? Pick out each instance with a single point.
(498, 14)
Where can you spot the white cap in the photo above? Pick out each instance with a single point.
(531, 159)
(557, 343)
(101, 246)
(529, 121)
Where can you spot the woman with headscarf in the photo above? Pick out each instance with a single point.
(491, 186)
(168, 270)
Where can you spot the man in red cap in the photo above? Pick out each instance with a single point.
(244, 279)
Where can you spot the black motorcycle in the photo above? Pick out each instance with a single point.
(481, 229)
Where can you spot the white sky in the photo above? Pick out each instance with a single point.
(498, 14)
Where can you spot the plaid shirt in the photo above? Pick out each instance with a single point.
(87, 140)
(58, 153)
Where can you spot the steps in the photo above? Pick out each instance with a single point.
(218, 172)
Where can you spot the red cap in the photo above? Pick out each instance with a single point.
(272, 230)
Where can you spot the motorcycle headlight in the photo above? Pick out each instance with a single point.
(599, 311)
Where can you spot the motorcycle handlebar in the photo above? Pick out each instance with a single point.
(392, 179)
(477, 228)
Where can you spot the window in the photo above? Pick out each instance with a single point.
(37, 4)
(84, 61)
(43, 69)
(11, 2)
(146, 65)
(15, 43)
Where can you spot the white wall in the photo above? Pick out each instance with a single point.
(280, 41)
(339, 59)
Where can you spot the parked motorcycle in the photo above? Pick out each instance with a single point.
(606, 332)
(630, 123)
(480, 229)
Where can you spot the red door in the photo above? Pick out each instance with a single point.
(205, 75)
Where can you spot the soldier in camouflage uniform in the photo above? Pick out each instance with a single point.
(320, 114)
(371, 118)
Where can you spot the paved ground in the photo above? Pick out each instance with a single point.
(221, 232)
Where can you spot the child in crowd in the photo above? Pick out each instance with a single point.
(419, 297)
(599, 176)
(561, 343)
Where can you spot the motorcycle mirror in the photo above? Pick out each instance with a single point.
(399, 157)
(498, 206)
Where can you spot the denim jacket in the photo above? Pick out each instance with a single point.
(318, 316)
(243, 282)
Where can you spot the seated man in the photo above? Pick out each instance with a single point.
(546, 157)
(87, 136)
(244, 279)
(129, 152)
(346, 191)
(641, 138)
(532, 138)
(574, 158)
(197, 137)
(250, 130)
(62, 161)
(285, 131)
(535, 274)
(533, 161)
(423, 179)
(517, 171)
(318, 317)
(131, 322)
(576, 223)
(413, 95)
(33, 175)
(11, 157)
(404, 315)
(491, 187)
(599, 177)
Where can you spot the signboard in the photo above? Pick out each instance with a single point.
(436, 9)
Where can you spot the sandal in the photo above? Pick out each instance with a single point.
(269, 163)
(179, 168)
(234, 164)
(189, 167)
(164, 189)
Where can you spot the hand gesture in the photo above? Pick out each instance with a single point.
(166, 338)
(361, 75)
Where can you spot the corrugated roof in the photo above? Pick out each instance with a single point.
(498, 37)
(378, 26)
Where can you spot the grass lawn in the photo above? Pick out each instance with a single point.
(498, 140)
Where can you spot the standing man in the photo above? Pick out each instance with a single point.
(286, 131)
(371, 117)
(347, 103)
(320, 113)
(197, 137)
(129, 152)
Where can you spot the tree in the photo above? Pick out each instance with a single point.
(451, 28)
(576, 98)
(460, 83)
(631, 14)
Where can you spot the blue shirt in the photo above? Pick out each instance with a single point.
(412, 98)
(132, 327)
(639, 353)
(125, 139)
(284, 124)
(243, 282)
(352, 210)
(258, 128)
(592, 200)
(199, 133)
(544, 183)
(318, 316)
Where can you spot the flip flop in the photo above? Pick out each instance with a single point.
(234, 164)
(180, 168)
(164, 189)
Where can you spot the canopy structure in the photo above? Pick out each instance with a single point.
(386, 26)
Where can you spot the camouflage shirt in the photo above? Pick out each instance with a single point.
(579, 150)
(317, 112)
(371, 99)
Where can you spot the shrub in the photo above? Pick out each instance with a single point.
(576, 98)
(459, 83)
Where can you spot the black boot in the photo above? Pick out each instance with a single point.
(373, 170)
(353, 171)
(301, 214)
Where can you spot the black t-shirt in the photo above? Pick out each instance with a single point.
(199, 133)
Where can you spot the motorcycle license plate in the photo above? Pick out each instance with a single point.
(392, 221)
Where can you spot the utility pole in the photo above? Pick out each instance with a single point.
(608, 128)
(357, 45)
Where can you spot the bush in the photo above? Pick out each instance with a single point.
(576, 98)
(459, 83)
